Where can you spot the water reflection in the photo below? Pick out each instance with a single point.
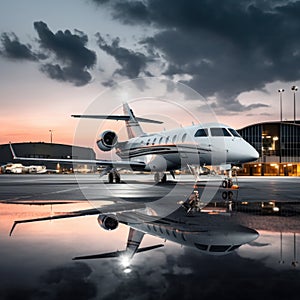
(257, 240)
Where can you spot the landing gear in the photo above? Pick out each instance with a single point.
(228, 182)
(193, 203)
(114, 176)
(160, 177)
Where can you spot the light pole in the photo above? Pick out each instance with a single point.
(50, 130)
(280, 91)
(294, 89)
(295, 262)
(281, 261)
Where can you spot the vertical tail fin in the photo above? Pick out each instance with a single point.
(133, 127)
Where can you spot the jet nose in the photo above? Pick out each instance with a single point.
(253, 154)
(249, 154)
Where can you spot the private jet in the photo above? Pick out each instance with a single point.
(167, 151)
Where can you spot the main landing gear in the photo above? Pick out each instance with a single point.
(160, 177)
(114, 176)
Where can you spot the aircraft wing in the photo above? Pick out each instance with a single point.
(106, 209)
(110, 163)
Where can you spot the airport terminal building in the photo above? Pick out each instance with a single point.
(278, 145)
(48, 150)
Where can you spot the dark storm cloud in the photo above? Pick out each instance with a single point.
(64, 282)
(70, 50)
(63, 55)
(193, 275)
(68, 282)
(132, 63)
(14, 49)
(227, 47)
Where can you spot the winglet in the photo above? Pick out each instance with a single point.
(12, 151)
(13, 227)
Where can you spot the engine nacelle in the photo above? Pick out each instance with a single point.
(108, 222)
(107, 141)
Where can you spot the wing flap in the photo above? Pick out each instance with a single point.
(116, 118)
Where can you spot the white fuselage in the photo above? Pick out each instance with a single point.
(205, 144)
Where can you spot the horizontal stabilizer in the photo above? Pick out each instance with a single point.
(149, 248)
(116, 253)
(117, 118)
(101, 255)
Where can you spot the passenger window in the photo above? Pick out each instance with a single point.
(148, 142)
(174, 139)
(201, 132)
(184, 137)
(233, 132)
(167, 139)
(154, 141)
(160, 140)
(219, 132)
(201, 246)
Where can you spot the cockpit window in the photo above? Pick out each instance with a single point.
(218, 248)
(201, 132)
(234, 247)
(201, 246)
(219, 132)
(233, 132)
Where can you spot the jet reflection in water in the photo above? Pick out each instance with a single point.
(209, 230)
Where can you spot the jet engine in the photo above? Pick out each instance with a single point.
(107, 141)
(108, 222)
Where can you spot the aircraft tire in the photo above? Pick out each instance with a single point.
(224, 184)
(117, 178)
(110, 178)
(164, 178)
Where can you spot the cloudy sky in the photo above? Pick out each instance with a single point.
(57, 56)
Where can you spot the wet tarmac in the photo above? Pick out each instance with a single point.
(36, 261)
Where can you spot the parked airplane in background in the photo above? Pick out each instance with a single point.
(19, 169)
(166, 151)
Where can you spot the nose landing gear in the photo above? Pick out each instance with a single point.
(227, 183)
(160, 177)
